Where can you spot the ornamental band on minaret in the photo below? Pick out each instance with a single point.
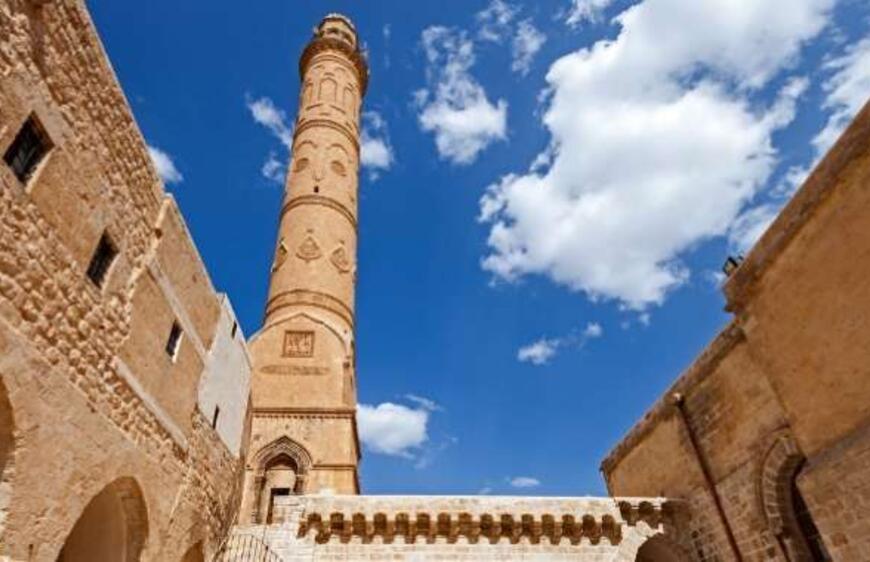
(303, 432)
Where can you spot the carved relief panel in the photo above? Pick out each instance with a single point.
(331, 90)
(298, 343)
(321, 164)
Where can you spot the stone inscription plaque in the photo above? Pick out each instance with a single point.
(298, 343)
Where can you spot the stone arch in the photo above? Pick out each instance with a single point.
(782, 503)
(194, 554)
(328, 90)
(113, 526)
(659, 548)
(7, 453)
(281, 455)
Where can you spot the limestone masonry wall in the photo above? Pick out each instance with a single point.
(91, 403)
(778, 404)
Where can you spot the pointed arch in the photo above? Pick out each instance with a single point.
(113, 526)
(787, 516)
(280, 468)
(659, 548)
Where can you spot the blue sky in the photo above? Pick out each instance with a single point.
(550, 190)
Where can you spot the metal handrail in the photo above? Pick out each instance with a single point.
(245, 548)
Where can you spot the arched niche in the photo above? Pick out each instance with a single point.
(659, 548)
(788, 517)
(280, 469)
(113, 526)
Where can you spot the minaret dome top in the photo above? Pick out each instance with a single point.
(337, 26)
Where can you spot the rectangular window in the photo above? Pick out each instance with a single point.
(235, 329)
(27, 149)
(217, 411)
(102, 260)
(174, 341)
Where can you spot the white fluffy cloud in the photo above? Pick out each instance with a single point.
(495, 21)
(454, 106)
(273, 168)
(655, 146)
(266, 113)
(395, 429)
(526, 44)
(376, 152)
(165, 166)
(540, 352)
(585, 10)
(847, 92)
(524, 482)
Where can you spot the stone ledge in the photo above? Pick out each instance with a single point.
(474, 519)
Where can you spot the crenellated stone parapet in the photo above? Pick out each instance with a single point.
(477, 519)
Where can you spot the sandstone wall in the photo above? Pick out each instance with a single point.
(784, 388)
(89, 398)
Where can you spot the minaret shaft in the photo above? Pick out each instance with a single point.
(304, 387)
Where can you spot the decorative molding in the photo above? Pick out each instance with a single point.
(310, 298)
(299, 370)
(320, 200)
(488, 527)
(320, 45)
(305, 123)
(291, 412)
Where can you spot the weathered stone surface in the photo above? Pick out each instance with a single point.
(100, 433)
(778, 403)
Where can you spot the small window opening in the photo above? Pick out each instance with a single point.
(102, 260)
(214, 419)
(174, 341)
(27, 149)
(316, 189)
(234, 330)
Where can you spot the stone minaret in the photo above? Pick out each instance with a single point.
(303, 432)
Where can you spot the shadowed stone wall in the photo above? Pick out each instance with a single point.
(777, 405)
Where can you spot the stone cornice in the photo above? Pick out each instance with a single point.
(322, 44)
(385, 519)
(291, 412)
(824, 179)
(663, 408)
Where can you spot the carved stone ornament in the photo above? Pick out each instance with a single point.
(309, 249)
(280, 256)
(340, 259)
(298, 343)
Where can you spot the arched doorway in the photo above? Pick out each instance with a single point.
(659, 549)
(281, 469)
(281, 474)
(194, 554)
(113, 526)
(788, 517)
